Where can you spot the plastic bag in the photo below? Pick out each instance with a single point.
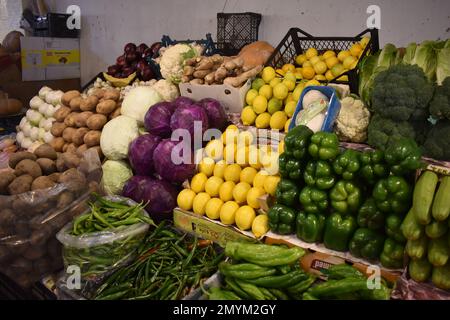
(29, 222)
(99, 254)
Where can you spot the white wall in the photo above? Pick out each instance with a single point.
(10, 14)
(108, 24)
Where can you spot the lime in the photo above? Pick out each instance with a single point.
(274, 105)
(257, 83)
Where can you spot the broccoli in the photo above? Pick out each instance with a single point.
(381, 131)
(440, 105)
(402, 93)
(437, 145)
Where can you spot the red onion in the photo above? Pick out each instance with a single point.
(130, 47)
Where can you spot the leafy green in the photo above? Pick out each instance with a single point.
(443, 63)
(409, 53)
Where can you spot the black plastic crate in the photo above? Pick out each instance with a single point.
(235, 30)
(57, 26)
(208, 43)
(296, 41)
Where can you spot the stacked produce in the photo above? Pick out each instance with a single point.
(269, 272)
(426, 229)
(35, 127)
(349, 200)
(233, 174)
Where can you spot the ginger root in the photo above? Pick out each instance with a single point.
(240, 79)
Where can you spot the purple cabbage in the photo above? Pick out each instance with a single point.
(216, 114)
(140, 154)
(182, 102)
(184, 118)
(157, 119)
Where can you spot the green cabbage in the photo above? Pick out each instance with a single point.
(409, 54)
(115, 175)
(443, 63)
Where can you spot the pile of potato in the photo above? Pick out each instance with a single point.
(81, 118)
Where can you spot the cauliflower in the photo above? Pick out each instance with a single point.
(117, 134)
(167, 90)
(115, 175)
(172, 61)
(352, 121)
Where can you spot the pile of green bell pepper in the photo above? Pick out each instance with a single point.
(347, 164)
(313, 200)
(290, 168)
(392, 195)
(366, 244)
(324, 146)
(369, 216)
(287, 193)
(281, 219)
(345, 197)
(297, 141)
(373, 166)
(393, 228)
(319, 174)
(310, 226)
(338, 231)
(392, 254)
(403, 156)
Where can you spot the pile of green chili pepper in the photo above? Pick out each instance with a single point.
(169, 266)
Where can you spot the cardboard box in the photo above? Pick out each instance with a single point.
(233, 99)
(49, 58)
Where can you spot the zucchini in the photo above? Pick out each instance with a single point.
(441, 203)
(411, 228)
(423, 196)
(436, 229)
(420, 270)
(438, 251)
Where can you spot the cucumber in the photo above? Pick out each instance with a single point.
(417, 249)
(438, 251)
(436, 229)
(420, 270)
(411, 228)
(441, 203)
(423, 196)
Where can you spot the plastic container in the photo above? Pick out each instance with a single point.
(208, 43)
(333, 107)
(296, 41)
(235, 30)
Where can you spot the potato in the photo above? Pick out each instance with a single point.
(81, 119)
(115, 114)
(15, 158)
(70, 119)
(81, 149)
(54, 176)
(62, 113)
(106, 106)
(71, 147)
(60, 166)
(89, 103)
(21, 184)
(64, 199)
(92, 138)
(99, 151)
(78, 136)
(68, 134)
(96, 121)
(57, 129)
(58, 144)
(34, 252)
(69, 95)
(7, 217)
(75, 103)
(99, 93)
(111, 94)
(5, 180)
(45, 151)
(74, 179)
(71, 160)
(30, 167)
(38, 238)
(48, 166)
(42, 183)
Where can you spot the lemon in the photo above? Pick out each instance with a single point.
(260, 104)
(270, 184)
(331, 62)
(288, 67)
(266, 91)
(271, 163)
(298, 75)
(337, 70)
(229, 153)
(263, 120)
(280, 91)
(290, 76)
(364, 41)
(198, 182)
(278, 120)
(343, 78)
(268, 74)
(274, 82)
(244, 217)
(226, 190)
(288, 99)
(297, 92)
(286, 129)
(212, 186)
(228, 211)
(260, 177)
(281, 144)
(253, 157)
(252, 197)
(311, 52)
(214, 150)
(329, 75)
(306, 64)
(343, 54)
(242, 156)
(290, 85)
(232, 127)
(245, 138)
(199, 203)
(257, 83)
(300, 59)
(314, 60)
(212, 208)
(248, 116)
(320, 77)
(320, 67)
(349, 62)
(312, 83)
(250, 96)
(280, 72)
(247, 175)
(206, 166)
(232, 172)
(322, 58)
(274, 105)
(329, 53)
(230, 135)
(260, 225)
(308, 72)
(219, 169)
(289, 108)
(185, 199)
(240, 192)
(356, 49)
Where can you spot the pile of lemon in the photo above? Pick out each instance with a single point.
(233, 174)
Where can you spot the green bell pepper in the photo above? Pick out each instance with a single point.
(296, 142)
(324, 146)
(345, 197)
(310, 226)
(338, 231)
(290, 168)
(392, 195)
(403, 156)
(392, 254)
(420, 270)
(347, 164)
(369, 216)
(366, 244)
(393, 228)
(373, 167)
(287, 193)
(441, 277)
(319, 174)
(281, 219)
(313, 200)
